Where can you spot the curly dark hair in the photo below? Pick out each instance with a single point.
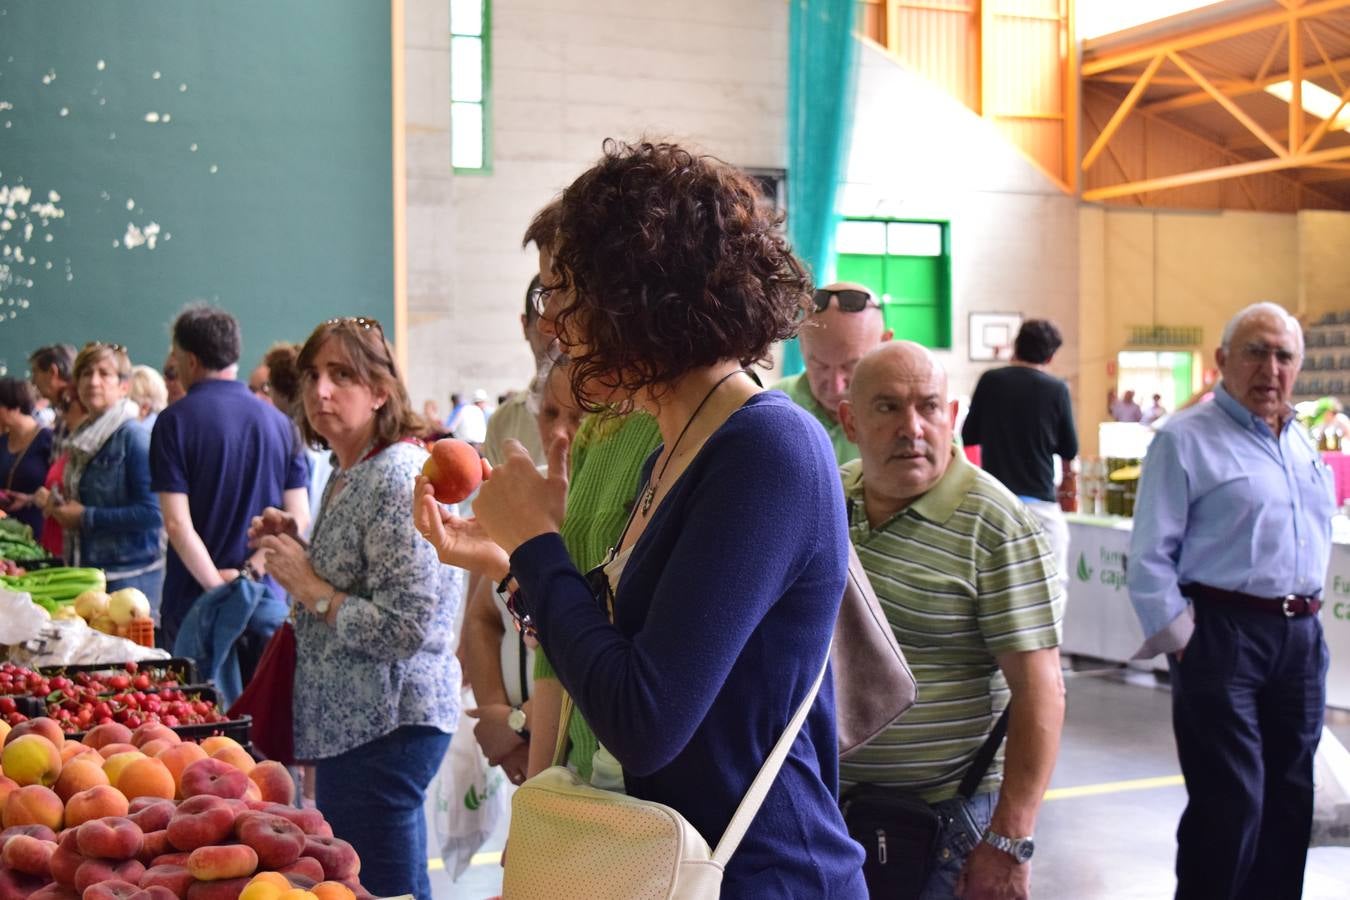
(676, 263)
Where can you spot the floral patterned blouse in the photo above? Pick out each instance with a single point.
(390, 660)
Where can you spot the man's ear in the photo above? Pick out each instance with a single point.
(847, 420)
(954, 406)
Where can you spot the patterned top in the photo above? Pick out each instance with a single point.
(391, 659)
(963, 574)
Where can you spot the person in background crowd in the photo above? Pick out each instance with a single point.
(43, 411)
(472, 423)
(515, 419)
(148, 391)
(635, 262)
(845, 323)
(259, 383)
(217, 459)
(1021, 417)
(1231, 541)
(50, 368)
(106, 507)
(432, 413)
(969, 584)
(376, 679)
(282, 362)
(1155, 411)
(1127, 410)
(25, 453)
(500, 664)
(456, 408)
(172, 385)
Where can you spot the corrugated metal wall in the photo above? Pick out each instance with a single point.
(1011, 61)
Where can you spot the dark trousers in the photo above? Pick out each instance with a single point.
(373, 796)
(1248, 699)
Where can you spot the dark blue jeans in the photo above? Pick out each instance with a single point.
(1248, 699)
(373, 795)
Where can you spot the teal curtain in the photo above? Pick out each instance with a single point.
(822, 79)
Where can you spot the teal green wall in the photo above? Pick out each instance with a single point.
(288, 99)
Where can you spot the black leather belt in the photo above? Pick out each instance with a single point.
(1290, 606)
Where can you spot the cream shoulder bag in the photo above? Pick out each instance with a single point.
(570, 840)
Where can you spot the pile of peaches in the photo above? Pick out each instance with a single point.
(145, 815)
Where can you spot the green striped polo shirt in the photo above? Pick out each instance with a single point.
(963, 574)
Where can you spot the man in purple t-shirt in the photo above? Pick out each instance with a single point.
(217, 459)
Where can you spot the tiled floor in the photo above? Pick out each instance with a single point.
(1100, 846)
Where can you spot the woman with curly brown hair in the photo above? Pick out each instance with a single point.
(716, 607)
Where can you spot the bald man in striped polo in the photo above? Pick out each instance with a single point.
(968, 582)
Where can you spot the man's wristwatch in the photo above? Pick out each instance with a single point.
(515, 720)
(323, 604)
(1019, 849)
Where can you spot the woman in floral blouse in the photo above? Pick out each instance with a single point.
(376, 681)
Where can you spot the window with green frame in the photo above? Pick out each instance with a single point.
(470, 85)
(908, 265)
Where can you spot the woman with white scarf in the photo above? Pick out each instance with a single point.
(110, 516)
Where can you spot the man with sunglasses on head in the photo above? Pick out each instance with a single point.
(218, 458)
(1231, 540)
(845, 324)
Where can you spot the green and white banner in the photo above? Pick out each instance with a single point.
(1099, 621)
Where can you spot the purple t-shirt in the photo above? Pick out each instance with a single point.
(233, 456)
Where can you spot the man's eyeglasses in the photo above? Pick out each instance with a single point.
(1258, 353)
(850, 301)
(539, 299)
(265, 388)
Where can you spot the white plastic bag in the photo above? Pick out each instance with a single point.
(467, 798)
(20, 618)
(1331, 793)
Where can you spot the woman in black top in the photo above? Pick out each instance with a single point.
(25, 452)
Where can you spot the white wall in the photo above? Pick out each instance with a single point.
(919, 153)
(566, 74)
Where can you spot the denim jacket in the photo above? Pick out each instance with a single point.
(121, 526)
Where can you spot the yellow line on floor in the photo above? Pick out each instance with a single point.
(1114, 787)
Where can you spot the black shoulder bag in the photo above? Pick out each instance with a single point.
(899, 831)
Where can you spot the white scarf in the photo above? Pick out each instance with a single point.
(83, 446)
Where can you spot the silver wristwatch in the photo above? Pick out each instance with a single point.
(323, 604)
(1019, 849)
(515, 720)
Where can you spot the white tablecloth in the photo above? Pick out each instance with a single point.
(1100, 622)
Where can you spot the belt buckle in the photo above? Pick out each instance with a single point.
(1285, 606)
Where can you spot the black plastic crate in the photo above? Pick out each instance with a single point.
(239, 729)
(184, 669)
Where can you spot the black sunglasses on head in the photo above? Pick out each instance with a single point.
(849, 300)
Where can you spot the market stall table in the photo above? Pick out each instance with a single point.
(1100, 622)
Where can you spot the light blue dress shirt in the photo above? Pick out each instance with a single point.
(1224, 502)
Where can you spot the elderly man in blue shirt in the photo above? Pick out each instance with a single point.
(1230, 547)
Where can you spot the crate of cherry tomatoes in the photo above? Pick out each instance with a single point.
(131, 694)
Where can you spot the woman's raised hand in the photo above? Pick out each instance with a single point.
(272, 521)
(458, 541)
(519, 503)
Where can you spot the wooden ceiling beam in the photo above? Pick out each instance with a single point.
(1219, 173)
(1105, 62)
(1118, 117)
(1233, 109)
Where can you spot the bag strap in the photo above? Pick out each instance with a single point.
(768, 773)
(564, 719)
(984, 756)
